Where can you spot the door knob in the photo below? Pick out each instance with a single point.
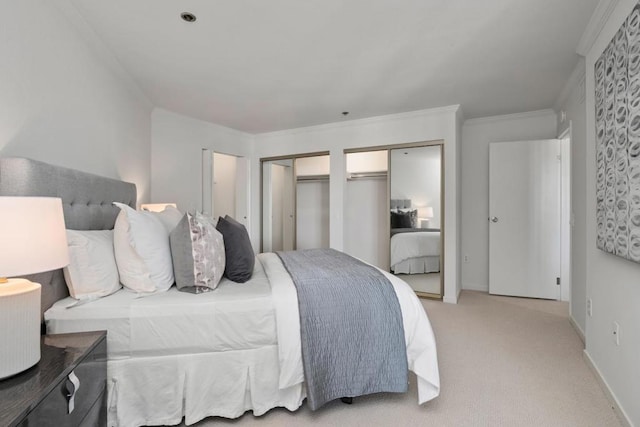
(494, 219)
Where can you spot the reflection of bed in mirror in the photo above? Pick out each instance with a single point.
(414, 250)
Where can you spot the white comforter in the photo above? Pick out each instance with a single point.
(420, 341)
(222, 353)
(413, 245)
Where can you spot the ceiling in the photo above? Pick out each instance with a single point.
(260, 66)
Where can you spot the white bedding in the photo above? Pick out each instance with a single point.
(221, 353)
(414, 245)
(234, 317)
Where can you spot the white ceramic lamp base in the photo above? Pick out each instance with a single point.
(19, 326)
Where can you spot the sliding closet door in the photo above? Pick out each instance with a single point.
(278, 202)
(366, 217)
(415, 182)
(295, 202)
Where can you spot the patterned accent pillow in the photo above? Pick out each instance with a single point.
(198, 254)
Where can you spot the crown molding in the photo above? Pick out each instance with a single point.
(595, 25)
(451, 109)
(507, 117)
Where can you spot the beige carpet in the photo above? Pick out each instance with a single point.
(503, 362)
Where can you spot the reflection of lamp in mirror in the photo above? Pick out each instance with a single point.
(33, 241)
(156, 207)
(425, 213)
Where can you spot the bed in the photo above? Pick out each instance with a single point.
(178, 355)
(413, 250)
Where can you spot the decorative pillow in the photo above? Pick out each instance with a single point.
(92, 272)
(143, 256)
(240, 258)
(404, 219)
(197, 250)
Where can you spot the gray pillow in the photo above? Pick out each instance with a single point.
(238, 250)
(198, 254)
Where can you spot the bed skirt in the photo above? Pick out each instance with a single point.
(426, 264)
(195, 386)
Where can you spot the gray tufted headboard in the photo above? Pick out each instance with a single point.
(86, 199)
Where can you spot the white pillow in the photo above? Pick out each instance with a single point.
(143, 256)
(92, 272)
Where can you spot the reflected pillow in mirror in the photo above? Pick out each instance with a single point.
(404, 219)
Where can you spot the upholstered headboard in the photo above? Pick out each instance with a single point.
(86, 199)
(400, 203)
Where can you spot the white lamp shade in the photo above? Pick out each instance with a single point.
(156, 207)
(425, 212)
(32, 235)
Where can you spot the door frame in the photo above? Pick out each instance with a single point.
(207, 186)
(566, 280)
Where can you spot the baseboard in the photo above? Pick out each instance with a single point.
(454, 300)
(615, 405)
(475, 287)
(578, 329)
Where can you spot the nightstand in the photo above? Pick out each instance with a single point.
(39, 395)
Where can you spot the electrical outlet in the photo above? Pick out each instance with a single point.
(589, 307)
(616, 333)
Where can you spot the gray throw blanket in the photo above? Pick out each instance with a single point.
(350, 326)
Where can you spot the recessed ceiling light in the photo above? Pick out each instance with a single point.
(345, 113)
(189, 17)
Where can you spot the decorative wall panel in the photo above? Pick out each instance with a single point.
(617, 104)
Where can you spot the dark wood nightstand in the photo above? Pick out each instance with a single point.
(39, 395)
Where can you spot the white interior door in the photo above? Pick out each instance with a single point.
(524, 218)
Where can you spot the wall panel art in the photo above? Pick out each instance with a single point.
(617, 105)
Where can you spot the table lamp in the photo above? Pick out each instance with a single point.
(156, 207)
(32, 240)
(425, 213)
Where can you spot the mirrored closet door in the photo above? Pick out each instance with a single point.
(295, 202)
(415, 217)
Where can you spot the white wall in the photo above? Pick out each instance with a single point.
(425, 125)
(63, 99)
(315, 165)
(572, 102)
(613, 283)
(176, 157)
(368, 161)
(476, 136)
